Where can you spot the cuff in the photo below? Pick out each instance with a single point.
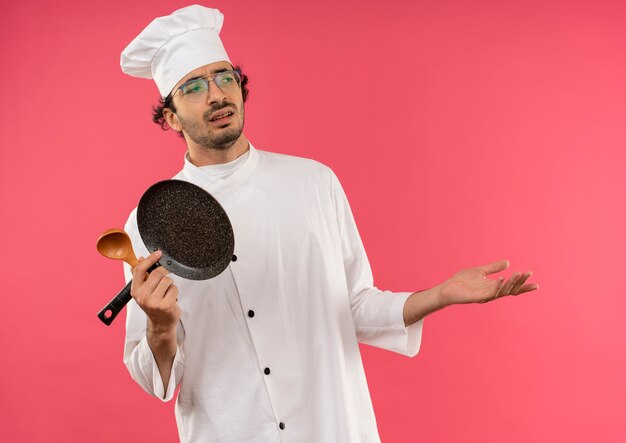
(407, 339)
(157, 382)
(394, 336)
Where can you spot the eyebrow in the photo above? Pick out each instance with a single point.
(214, 71)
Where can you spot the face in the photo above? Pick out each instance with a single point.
(213, 123)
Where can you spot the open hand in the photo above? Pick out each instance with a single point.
(473, 286)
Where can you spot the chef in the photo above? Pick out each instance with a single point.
(268, 350)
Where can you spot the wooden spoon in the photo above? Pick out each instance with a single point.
(115, 243)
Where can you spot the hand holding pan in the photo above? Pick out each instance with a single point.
(189, 227)
(115, 244)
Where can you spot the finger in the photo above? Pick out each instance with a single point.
(159, 292)
(154, 302)
(496, 294)
(138, 279)
(506, 290)
(528, 288)
(520, 282)
(143, 265)
(494, 267)
(500, 286)
(154, 278)
(515, 281)
(502, 291)
(132, 268)
(171, 295)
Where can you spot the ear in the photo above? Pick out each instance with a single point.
(172, 120)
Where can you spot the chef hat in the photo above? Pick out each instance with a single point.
(172, 46)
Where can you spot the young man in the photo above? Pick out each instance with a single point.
(268, 350)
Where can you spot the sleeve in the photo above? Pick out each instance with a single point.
(138, 356)
(377, 315)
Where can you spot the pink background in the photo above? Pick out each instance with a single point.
(463, 132)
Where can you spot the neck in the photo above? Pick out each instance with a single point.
(202, 156)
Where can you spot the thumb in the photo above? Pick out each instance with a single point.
(139, 260)
(494, 267)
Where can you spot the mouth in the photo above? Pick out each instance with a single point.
(221, 117)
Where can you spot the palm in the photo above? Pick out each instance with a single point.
(473, 286)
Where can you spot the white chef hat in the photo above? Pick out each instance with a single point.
(172, 46)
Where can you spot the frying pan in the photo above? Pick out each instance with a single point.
(189, 227)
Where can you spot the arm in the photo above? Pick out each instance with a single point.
(374, 311)
(139, 354)
(420, 304)
(140, 359)
(377, 315)
(163, 347)
(157, 296)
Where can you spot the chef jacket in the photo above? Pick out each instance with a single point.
(268, 350)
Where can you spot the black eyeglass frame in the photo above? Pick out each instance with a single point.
(236, 73)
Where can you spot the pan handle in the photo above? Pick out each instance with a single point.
(115, 306)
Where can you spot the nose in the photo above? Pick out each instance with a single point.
(215, 95)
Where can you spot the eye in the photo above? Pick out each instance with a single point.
(226, 79)
(193, 87)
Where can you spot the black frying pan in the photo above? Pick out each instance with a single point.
(189, 227)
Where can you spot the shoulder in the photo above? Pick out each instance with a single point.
(277, 163)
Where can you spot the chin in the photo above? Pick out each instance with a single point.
(223, 141)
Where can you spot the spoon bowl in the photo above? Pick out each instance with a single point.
(115, 244)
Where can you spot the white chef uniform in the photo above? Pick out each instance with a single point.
(267, 350)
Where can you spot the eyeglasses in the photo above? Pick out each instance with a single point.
(196, 90)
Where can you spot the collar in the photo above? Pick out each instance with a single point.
(214, 184)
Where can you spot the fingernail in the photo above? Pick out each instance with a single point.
(158, 253)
